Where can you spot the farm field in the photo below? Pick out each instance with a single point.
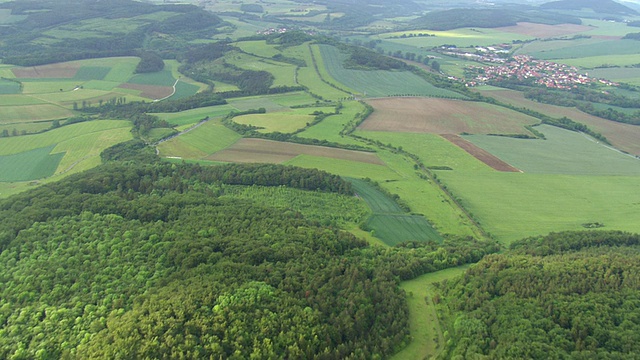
(29, 165)
(329, 129)
(283, 73)
(199, 142)
(79, 146)
(511, 206)
(544, 31)
(378, 83)
(311, 75)
(563, 152)
(348, 168)
(268, 151)
(463, 37)
(626, 75)
(622, 136)
(282, 121)
(592, 49)
(32, 113)
(441, 116)
(194, 116)
(389, 222)
(277, 102)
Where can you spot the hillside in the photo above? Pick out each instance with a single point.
(598, 6)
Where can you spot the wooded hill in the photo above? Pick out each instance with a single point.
(565, 295)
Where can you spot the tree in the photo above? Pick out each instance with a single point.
(435, 65)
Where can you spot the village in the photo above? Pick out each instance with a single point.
(539, 72)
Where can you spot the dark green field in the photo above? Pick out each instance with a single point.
(29, 165)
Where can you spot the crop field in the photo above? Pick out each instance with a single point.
(55, 71)
(29, 165)
(563, 152)
(378, 83)
(511, 205)
(626, 75)
(464, 37)
(279, 102)
(27, 127)
(441, 116)
(481, 154)
(31, 113)
(329, 128)
(258, 48)
(607, 29)
(160, 78)
(622, 136)
(543, 30)
(267, 151)
(9, 87)
(200, 142)
(377, 201)
(195, 115)
(602, 48)
(149, 91)
(283, 73)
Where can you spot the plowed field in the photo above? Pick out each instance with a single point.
(57, 71)
(442, 116)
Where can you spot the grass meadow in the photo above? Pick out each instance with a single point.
(32, 113)
(427, 337)
(464, 37)
(282, 121)
(329, 129)
(348, 168)
(193, 116)
(379, 83)
(199, 142)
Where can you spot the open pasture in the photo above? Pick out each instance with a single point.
(379, 83)
(622, 136)
(268, 151)
(29, 165)
(593, 49)
(195, 115)
(629, 75)
(282, 121)
(563, 152)
(32, 113)
(543, 30)
(464, 37)
(199, 142)
(511, 206)
(441, 116)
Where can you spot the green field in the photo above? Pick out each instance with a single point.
(464, 37)
(193, 116)
(160, 78)
(594, 49)
(9, 87)
(308, 76)
(282, 121)
(346, 168)
(378, 83)
(32, 113)
(329, 129)
(563, 152)
(258, 48)
(200, 142)
(29, 165)
(427, 337)
(389, 221)
(629, 75)
(183, 90)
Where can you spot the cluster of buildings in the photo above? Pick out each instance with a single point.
(540, 72)
(272, 31)
(486, 54)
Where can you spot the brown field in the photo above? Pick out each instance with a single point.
(545, 31)
(622, 136)
(441, 116)
(480, 154)
(58, 71)
(150, 91)
(268, 151)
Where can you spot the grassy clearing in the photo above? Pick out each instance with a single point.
(200, 142)
(423, 319)
(563, 152)
(378, 83)
(194, 116)
(29, 165)
(258, 48)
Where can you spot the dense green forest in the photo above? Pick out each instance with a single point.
(165, 261)
(561, 296)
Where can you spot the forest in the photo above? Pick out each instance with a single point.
(560, 296)
(154, 260)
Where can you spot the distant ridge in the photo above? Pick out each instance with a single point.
(599, 6)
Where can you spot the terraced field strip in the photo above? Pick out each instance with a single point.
(480, 154)
(268, 151)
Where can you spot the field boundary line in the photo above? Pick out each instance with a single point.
(173, 93)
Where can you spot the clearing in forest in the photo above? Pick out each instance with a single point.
(268, 151)
(442, 116)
